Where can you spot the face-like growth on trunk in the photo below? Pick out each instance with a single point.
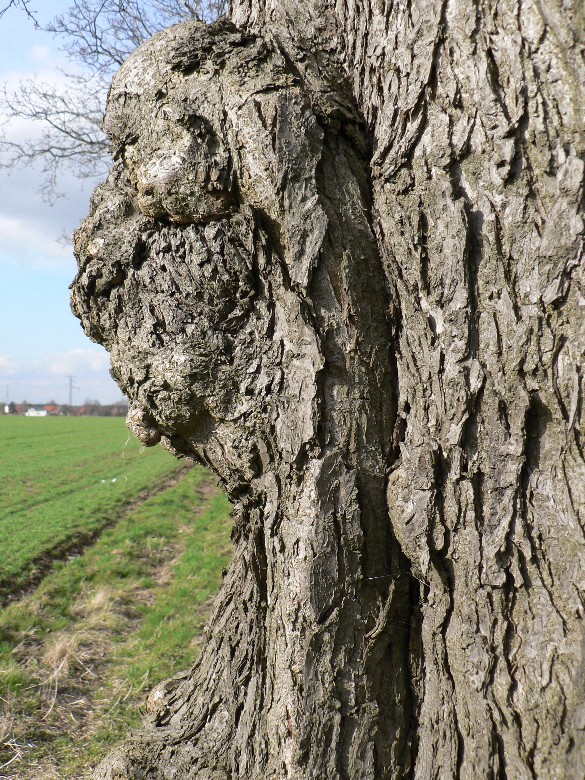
(172, 260)
(175, 275)
(229, 266)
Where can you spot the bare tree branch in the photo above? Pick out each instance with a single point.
(96, 37)
(100, 34)
(23, 5)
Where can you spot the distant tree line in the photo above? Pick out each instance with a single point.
(88, 409)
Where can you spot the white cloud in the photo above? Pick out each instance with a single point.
(30, 228)
(77, 361)
(42, 55)
(13, 80)
(46, 379)
(7, 366)
(31, 241)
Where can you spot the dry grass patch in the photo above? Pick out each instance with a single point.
(79, 656)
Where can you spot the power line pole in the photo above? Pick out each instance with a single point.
(72, 387)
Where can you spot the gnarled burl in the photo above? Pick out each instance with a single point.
(340, 260)
(229, 267)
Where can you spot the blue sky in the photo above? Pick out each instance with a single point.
(41, 343)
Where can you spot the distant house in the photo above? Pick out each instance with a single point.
(51, 409)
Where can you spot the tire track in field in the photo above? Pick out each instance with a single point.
(76, 545)
(79, 673)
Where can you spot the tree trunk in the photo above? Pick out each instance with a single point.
(340, 261)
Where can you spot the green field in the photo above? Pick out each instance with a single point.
(80, 651)
(62, 479)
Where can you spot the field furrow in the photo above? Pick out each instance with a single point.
(79, 654)
(63, 478)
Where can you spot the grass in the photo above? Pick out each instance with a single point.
(62, 480)
(78, 655)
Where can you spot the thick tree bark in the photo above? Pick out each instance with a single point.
(340, 260)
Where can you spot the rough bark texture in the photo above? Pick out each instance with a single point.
(340, 260)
